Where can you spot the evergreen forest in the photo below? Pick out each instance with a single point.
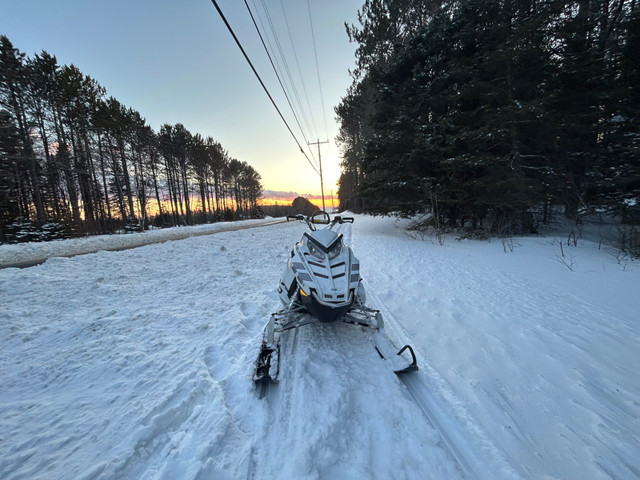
(494, 116)
(74, 161)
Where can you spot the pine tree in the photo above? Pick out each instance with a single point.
(10, 157)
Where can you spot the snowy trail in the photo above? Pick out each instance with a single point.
(343, 412)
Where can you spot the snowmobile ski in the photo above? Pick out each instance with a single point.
(388, 351)
(268, 363)
(399, 363)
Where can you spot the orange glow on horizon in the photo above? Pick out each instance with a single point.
(264, 201)
(286, 201)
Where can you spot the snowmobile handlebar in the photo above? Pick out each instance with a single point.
(320, 217)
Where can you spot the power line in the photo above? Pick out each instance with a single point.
(315, 52)
(224, 19)
(284, 90)
(283, 58)
(282, 55)
(295, 55)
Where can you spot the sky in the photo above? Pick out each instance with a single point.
(176, 62)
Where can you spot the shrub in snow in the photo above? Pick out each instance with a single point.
(24, 230)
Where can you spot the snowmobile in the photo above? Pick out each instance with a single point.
(321, 283)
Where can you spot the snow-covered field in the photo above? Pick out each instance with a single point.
(137, 364)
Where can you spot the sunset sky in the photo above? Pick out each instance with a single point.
(176, 62)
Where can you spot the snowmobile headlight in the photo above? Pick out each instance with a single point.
(315, 251)
(335, 251)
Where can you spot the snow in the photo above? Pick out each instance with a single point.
(138, 363)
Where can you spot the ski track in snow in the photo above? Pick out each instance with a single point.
(137, 364)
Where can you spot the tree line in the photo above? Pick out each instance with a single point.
(74, 161)
(493, 115)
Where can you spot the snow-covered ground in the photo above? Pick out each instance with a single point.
(138, 363)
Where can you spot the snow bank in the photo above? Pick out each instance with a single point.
(40, 251)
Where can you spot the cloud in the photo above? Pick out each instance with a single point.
(279, 195)
(311, 196)
(290, 195)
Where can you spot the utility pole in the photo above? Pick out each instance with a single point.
(320, 160)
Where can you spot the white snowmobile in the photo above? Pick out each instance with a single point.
(321, 282)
